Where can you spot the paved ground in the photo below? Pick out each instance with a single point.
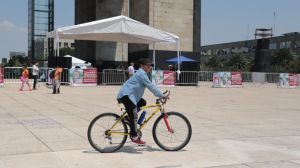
(256, 127)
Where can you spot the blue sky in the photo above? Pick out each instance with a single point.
(222, 20)
(14, 23)
(236, 20)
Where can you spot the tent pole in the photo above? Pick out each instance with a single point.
(54, 46)
(178, 64)
(122, 55)
(57, 46)
(128, 8)
(154, 56)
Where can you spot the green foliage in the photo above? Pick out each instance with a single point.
(239, 63)
(212, 62)
(66, 51)
(285, 60)
(236, 63)
(18, 61)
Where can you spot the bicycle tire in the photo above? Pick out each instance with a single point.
(95, 140)
(173, 125)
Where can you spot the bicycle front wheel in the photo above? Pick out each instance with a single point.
(105, 138)
(172, 132)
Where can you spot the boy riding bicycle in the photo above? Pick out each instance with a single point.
(131, 94)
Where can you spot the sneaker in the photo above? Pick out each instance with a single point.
(138, 141)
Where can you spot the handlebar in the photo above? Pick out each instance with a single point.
(164, 100)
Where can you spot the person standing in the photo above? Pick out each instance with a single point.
(131, 70)
(56, 80)
(171, 68)
(35, 74)
(25, 78)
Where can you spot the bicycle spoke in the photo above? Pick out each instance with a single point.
(172, 140)
(103, 136)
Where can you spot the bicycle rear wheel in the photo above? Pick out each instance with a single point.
(104, 139)
(177, 136)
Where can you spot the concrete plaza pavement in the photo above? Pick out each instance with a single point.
(250, 127)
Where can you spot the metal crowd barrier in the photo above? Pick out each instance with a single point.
(187, 78)
(272, 78)
(260, 77)
(205, 77)
(118, 77)
(113, 77)
(13, 74)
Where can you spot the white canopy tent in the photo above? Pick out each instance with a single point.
(78, 62)
(116, 29)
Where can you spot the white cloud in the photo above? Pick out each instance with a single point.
(9, 26)
(6, 25)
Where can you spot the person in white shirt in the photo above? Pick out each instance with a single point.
(131, 70)
(35, 74)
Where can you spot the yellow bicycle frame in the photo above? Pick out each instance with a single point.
(157, 107)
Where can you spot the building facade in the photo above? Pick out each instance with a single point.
(247, 48)
(63, 43)
(40, 21)
(177, 17)
(15, 53)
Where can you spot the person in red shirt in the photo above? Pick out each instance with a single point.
(25, 78)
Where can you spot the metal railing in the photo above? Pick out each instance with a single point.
(13, 74)
(118, 77)
(187, 78)
(205, 77)
(113, 77)
(194, 78)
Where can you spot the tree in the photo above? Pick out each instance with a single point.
(295, 65)
(66, 51)
(18, 61)
(238, 63)
(284, 60)
(212, 63)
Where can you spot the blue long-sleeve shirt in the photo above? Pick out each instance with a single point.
(135, 86)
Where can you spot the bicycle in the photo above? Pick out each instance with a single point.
(108, 132)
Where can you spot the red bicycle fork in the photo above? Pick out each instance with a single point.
(167, 123)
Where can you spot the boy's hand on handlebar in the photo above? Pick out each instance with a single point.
(167, 93)
(166, 96)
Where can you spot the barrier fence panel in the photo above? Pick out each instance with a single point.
(65, 76)
(247, 76)
(118, 77)
(205, 77)
(113, 77)
(258, 77)
(272, 78)
(187, 78)
(13, 74)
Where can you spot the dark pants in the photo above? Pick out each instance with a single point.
(56, 86)
(131, 110)
(35, 77)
